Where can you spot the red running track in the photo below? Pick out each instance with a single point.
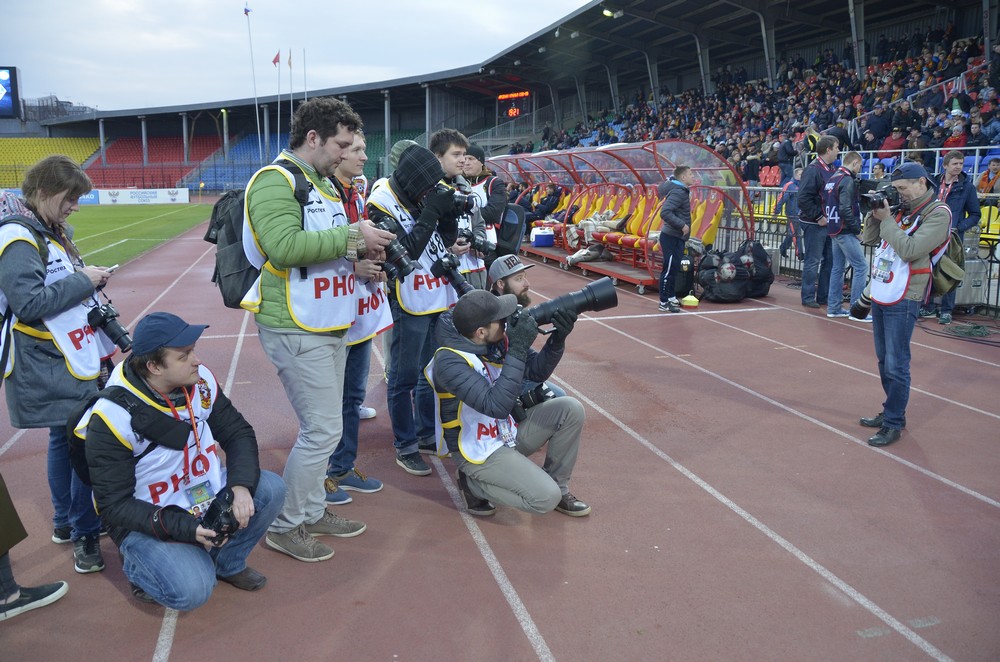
(738, 512)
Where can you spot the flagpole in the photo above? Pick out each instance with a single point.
(278, 64)
(305, 89)
(291, 94)
(253, 74)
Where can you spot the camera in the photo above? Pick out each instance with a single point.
(464, 202)
(529, 399)
(105, 318)
(447, 266)
(398, 264)
(861, 307)
(874, 199)
(482, 245)
(599, 295)
(219, 517)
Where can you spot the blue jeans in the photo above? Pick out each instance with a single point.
(846, 249)
(816, 268)
(893, 328)
(673, 249)
(182, 575)
(409, 396)
(72, 500)
(355, 387)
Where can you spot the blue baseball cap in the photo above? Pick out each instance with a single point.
(158, 330)
(910, 170)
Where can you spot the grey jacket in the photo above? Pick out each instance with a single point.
(40, 391)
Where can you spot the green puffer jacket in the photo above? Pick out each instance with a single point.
(276, 218)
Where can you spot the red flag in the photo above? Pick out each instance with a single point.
(277, 59)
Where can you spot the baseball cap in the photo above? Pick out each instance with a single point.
(910, 170)
(158, 330)
(476, 151)
(479, 308)
(506, 265)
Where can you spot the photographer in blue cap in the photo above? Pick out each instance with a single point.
(900, 284)
(180, 517)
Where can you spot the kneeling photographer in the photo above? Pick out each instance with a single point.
(899, 285)
(477, 375)
(153, 454)
(423, 214)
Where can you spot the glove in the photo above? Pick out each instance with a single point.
(563, 321)
(437, 204)
(521, 334)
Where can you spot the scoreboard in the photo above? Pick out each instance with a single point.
(511, 105)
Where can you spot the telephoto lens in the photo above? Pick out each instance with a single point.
(861, 307)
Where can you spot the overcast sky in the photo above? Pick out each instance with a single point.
(122, 54)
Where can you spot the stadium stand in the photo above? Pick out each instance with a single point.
(165, 169)
(19, 154)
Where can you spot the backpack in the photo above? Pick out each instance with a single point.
(234, 275)
(949, 270)
(148, 422)
(754, 257)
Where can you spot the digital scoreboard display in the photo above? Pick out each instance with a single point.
(512, 105)
(10, 98)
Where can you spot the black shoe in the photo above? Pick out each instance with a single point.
(884, 437)
(570, 505)
(873, 422)
(61, 535)
(427, 447)
(33, 597)
(473, 504)
(412, 463)
(87, 554)
(246, 580)
(810, 304)
(140, 595)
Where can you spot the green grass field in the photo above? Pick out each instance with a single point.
(109, 235)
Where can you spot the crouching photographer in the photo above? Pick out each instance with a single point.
(423, 214)
(53, 352)
(154, 445)
(477, 375)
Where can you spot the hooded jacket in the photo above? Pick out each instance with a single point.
(454, 375)
(676, 209)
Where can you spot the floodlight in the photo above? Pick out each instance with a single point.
(574, 34)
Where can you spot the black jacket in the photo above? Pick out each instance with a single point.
(453, 374)
(112, 469)
(810, 189)
(676, 209)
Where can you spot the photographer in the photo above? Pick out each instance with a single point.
(843, 209)
(477, 376)
(424, 218)
(491, 192)
(52, 357)
(449, 146)
(900, 283)
(153, 488)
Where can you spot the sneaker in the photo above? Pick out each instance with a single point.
(810, 304)
(473, 504)
(365, 413)
(866, 320)
(945, 318)
(927, 312)
(570, 505)
(87, 554)
(33, 597)
(669, 307)
(61, 535)
(839, 313)
(412, 463)
(298, 544)
(356, 481)
(141, 595)
(335, 525)
(334, 493)
(427, 447)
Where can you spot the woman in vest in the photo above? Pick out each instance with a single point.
(51, 356)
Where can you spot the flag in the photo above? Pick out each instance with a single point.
(246, 9)
(277, 59)
(289, 58)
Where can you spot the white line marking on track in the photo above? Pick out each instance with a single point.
(772, 535)
(496, 569)
(166, 639)
(236, 354)
(10, 442)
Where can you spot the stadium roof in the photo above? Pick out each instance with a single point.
(619, 37)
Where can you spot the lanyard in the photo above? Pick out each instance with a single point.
(194, 429)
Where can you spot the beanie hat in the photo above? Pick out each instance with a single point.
(476, 151)
(417, 172)
(397, 150)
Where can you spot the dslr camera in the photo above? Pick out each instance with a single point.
(219, 517)
(871, 200)
(482, 245)
(529, 399)
(464, 203)
(447, 266)
(105, 318)
(398, 264)
(599, 295)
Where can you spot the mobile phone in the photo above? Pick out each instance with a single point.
(112, 268)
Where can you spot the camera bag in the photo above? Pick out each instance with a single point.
(234, 275)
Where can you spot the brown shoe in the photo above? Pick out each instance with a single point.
(247, 579)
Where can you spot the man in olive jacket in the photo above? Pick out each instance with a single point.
(304, 302)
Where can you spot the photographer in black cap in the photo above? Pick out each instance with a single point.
(155, 460)
(477, 375)
(424, 218)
